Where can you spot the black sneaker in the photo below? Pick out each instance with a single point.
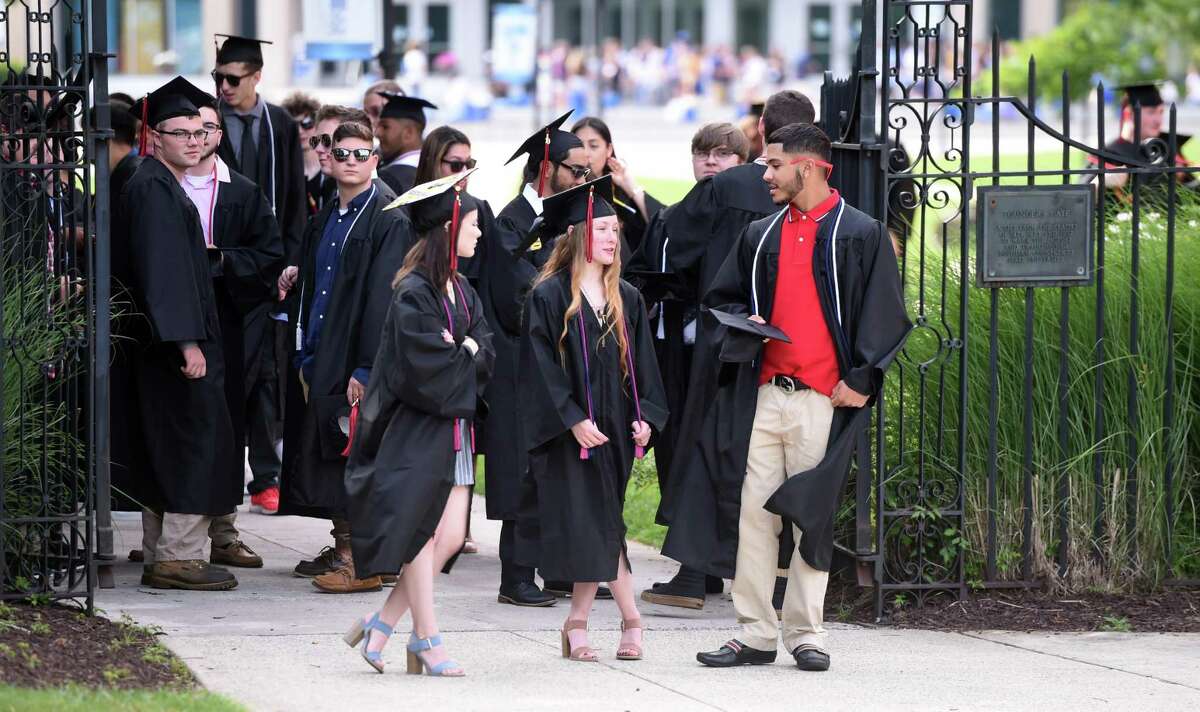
(734, 653)
(328, 560)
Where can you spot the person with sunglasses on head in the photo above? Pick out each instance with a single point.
(591, 398)
(351, 251)
(303, 109)
(191, 470)
(634, 206)
(262, 142)
(791, 406)
(400, 131)
(322, 187)
(412, 461)
(508, 263)
(375, 98)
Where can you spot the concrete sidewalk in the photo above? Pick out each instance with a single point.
(274, 643)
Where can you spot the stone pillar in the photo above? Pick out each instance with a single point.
(840, 48)
(468, 35)
(720, 23)
(668, 25)
(418, 21)
(628, 23)
(216, 16)
(787, 29)
(1038, 17)
(278, 22)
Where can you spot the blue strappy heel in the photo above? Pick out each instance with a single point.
(417, 664)
(361, 632)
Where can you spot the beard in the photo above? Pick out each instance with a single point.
(209, 152)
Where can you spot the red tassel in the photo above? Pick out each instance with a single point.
(591, 198)
(584, 453)
(142, 134)
(454, 231)
(353, 427)
(544, 171)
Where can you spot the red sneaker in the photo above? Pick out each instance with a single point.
(265, 502)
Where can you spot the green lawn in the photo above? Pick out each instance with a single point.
(77, 699)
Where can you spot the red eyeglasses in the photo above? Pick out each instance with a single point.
(816, 162)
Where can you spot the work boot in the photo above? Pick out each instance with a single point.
(147, 574)
(327, 561)
(191, 575)
(236, 553)
(344, 581)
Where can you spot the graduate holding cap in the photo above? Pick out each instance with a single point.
(555, 161)
(1143, 119)
(400, 130)
(159, 253)
(590, 398)
(412, 459)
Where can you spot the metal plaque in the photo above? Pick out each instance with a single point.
(1034, 236)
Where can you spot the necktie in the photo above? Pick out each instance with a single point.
(248, 156)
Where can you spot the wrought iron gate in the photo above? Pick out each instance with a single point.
(54, 352)
(971, 479)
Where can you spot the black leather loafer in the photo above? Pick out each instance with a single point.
(563, 589)
(525, 594)
(734, 653)
(810, 658)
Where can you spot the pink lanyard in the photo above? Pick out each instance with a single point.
(450, 324)
(639, 452)
(212, 204)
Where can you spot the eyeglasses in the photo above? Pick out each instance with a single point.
(307, 122)
(341, 155)
(211, 127)
(459, 166)
(232, 80)
(323, 140)
(182, 135)
(719, 154)
(577, 171)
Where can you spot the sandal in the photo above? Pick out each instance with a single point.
(361, 632)
(629, 651)
(417, 664)
(582, 654)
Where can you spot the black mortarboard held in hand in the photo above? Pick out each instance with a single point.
(178, 97)
(436, 202)
(743, 338)
(240, 49)
(581, 204)
(551, 143)
(402, 106)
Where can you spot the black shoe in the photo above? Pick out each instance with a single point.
(810, 658)
(563, 589)
(525, 594)
(327, 561)
(672, 593)
(733, 654)
(714, 584)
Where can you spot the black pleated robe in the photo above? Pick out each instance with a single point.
(191, 464)
(711, 466)
(399, 177)
(313, 468)
(578, 532)
(401, 466)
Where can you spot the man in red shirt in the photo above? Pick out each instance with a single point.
(825, 274)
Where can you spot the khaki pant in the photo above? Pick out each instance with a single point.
(223, 530)
(173, 537)
(791, 431)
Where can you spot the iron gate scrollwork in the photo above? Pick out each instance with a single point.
(53, 311)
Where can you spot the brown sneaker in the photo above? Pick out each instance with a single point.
(343, 581)
(194, 575)
(235, 554)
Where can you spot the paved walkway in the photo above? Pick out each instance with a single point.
(274, 643)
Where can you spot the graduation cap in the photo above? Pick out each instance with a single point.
(581, 204)
(744, 338)
(240, 49)
(436, 202)
(551, 143)
(1145, 94)
(176, 98)
(402, 106)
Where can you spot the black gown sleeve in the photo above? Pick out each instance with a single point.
(509, 276)
(883, 324)
(481, 332)
(548, 403)
(293, 209)
(690, 226)
(730, 292)
(388, 259)
(250, 267)
(652, 396)
(162, 263)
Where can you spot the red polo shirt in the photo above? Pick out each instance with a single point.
(811, 357)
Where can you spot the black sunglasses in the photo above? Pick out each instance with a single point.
(232, 79)
(341, 155)
(323, 140)
(577, 171)
(459, 166)
(307, 123)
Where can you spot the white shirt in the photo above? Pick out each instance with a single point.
(202, 190)
(531, 196)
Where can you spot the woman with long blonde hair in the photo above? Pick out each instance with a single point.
(591, 397)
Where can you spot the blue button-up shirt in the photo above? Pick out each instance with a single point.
(329, 253)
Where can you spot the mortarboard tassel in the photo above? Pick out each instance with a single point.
(584, 453)
(142, 133)
(591, 201)
(544, 170)
(454, 217)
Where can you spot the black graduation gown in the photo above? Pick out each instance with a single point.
(319, 190)
(579, 529)
(191, 466)
(313, 468)
(126, 453)
(280, 174)
(1154, 187)
(712, 466)
(121, 174)
(398, 177)
(633, 223)
(504, 281)
(247, 237)
(401, 466)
